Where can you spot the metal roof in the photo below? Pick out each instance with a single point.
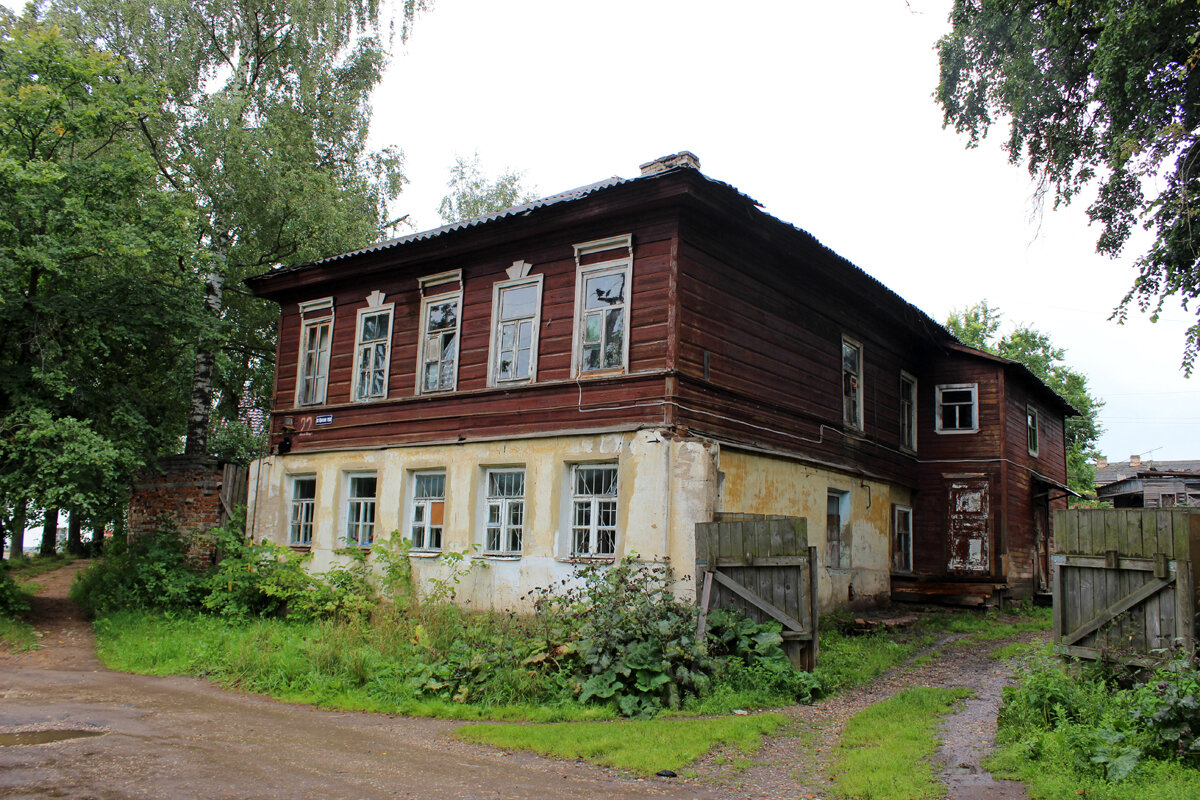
(1117, 471)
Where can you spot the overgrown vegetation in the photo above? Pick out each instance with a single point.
(885, 749)
(1076, 729)
(14, 631)
(613, 641)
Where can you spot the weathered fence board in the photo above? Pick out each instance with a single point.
(1124, 581)
(763, 567)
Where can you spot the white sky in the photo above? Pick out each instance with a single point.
(822, 112)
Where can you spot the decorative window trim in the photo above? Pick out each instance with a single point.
(423, 323)
(1032, 424)
(902, 539)
(504, 504)
(306, 523)
(621, 264)
(521, 278)
(852, 382)
(908, 420)
(571, 499)
(440, 279)
(937, 405)
(374, 307)
(314, 314)
(427, 515)
(352, 528)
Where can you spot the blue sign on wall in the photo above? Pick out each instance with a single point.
(325, 419)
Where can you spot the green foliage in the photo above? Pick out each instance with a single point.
(1095, 91)
(473, 195)
(12, 599)
(150, 572)
(886, 748)
(978, 326)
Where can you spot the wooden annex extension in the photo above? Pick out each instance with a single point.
(1124, 585)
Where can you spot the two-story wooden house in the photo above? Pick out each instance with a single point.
(592, 374)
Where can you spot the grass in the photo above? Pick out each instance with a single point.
(885, 749)
(29, 567)
(640, 746)
(17, 634)
(1053, 775)
(1018, 649)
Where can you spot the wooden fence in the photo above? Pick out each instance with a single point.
(763, 567)
(234, 491)
(1124, 582)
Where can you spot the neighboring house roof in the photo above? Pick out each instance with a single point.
(1117, 471)
(914, 315)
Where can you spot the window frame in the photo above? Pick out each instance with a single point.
(612, 266)
(375, 307)
(352, 500)
(908, 412)
(1032, 432)
(594, 527)
(898, 511)
(938, 405)
(308, 519)
(843, 544)
(426, 304)
(314, 314)
(498, 289)
(852, 380)
(505, 504)
(427, 511)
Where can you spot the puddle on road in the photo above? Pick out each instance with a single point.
(44, 737)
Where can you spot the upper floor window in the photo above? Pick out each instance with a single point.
(908, 411)
(604, 270)
(304, 499)
(957, 408)
(428, 510)
(505, 521)
(516, 312)
(1031, 429)
(852, 410)
(374, 348)
(360, 509)
(316, 333)
(437, 369)
(594, 510)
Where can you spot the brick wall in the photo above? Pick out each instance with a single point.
(183, 489)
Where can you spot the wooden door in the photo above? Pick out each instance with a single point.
(967, 537)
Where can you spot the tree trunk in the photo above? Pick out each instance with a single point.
(202, 372)
(50, 532)
(120, 532)
(20, 518)
(75, 534)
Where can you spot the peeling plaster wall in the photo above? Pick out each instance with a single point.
(665, 486)
(760, 484)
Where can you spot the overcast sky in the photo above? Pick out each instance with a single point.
(822, 112)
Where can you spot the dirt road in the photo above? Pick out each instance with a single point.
(176, 737)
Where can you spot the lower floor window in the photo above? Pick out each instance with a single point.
(505, 512)
(428, 510)
(594, 510)
(902, 544)
(304, 497)
(360, 510)
(837, 518)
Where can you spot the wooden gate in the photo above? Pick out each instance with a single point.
(763, 567)
(234, 490)
(1123, 582)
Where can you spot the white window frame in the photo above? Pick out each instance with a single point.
(375, 307)
(498, 290)
(426, 304)
(619, 265)
(315, 314)
(837, 551)
(908, 416)
(855, 381)
(593, 502)
(420, 512)
(302, 513)
(365, 518)
(1032, 426)
(954, 387)
(902, 539)
(504, 506)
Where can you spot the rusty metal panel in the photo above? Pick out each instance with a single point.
(967, 529)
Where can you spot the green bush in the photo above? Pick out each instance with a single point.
(12, 599)
(151, 572)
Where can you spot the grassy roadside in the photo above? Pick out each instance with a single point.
(885, 749)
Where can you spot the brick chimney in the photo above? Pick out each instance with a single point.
(1135, 461)
(681, 159)
(1101, 462)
